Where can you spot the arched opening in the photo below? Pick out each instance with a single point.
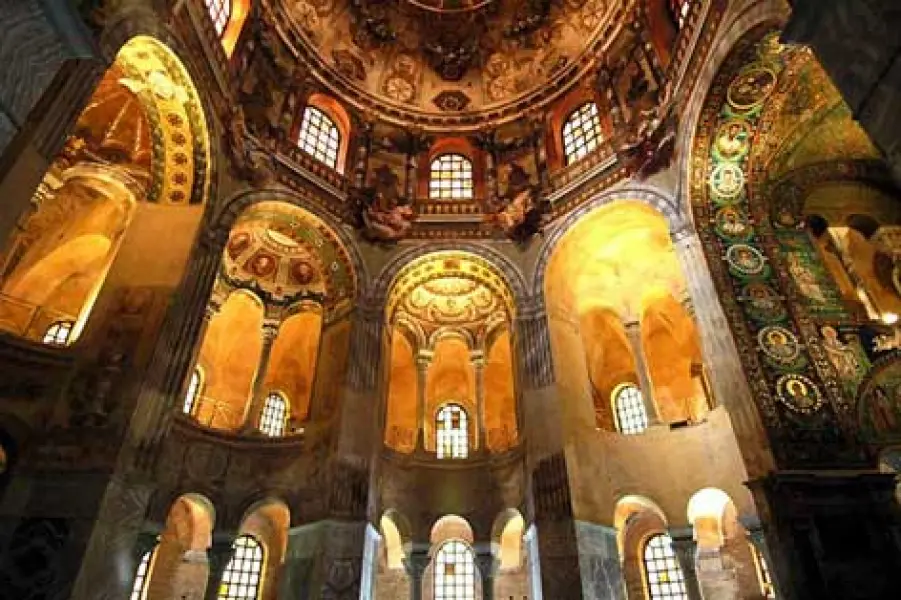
(102, 193)
(581, 132)
(292, 368)
(274, 417)
(452, 432)
(639, 520)
(663, 576)
(451, 178)
(324, 131)
(260, 548)
(455, 572)
(628, 405)
(242, 577)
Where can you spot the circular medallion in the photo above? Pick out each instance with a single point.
(732, 224)
(779, 344)
(751, 88)
(799, 393)
(762, 303)
(745, 260)
(238, 244)
(726, 182)
(262, 265)
(733, 140)
(303, 272)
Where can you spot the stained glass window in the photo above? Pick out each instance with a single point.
(139, 587)
(241, 579)
(319, 136)
(680, 10)
(630, 414)
(451, 178)
(581, 132)
(455, 577)
(58, 333)
(453, 440)
(220, 12)
(193, 393)
(664, 577)
(763, 574)
(275, 415)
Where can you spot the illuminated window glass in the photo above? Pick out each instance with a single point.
(630, 415)
(275, 415)
(220, 12)
(319, 136)
(451, 178)
(664, 577)
(139, 587)
(763, 574)
(241, 579)
(582, 132)
(193, 393)
(58, 333)
(680, 10)
(455, 577)
(453, 440)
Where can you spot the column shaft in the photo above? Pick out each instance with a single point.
(633, 332)
(218, 555)
(684, 546)
(422, 371)
(258, 397)
(478, 365)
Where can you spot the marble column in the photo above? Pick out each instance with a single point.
(415, 564)
(218, 554)
(423, 360)
(685, 548)
(633, 333)
(478, 367)
(258, 397)
(487, 565)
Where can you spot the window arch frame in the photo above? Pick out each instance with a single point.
(452, 443)
(231, 569)
(194, 392)
(670, 566)
(308, 141)
(441, 588)
(587, 141)
(141, 581)
(51, 335)
(615, 399)
(269, 413)
(460, 183)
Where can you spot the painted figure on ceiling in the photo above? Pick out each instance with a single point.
(386, 216)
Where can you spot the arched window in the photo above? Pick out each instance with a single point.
(663, 575)
(680, 10)
(242, 577)
(455, 577)
(221, 13)
(629, 408)
(581, 132)
(453, 438)
(763, 573)
(58, 333)
(193, 393)
(451, 178)
(319, 136)
(139, 587)
(275, 415)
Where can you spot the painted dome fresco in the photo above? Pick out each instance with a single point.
(477, 57)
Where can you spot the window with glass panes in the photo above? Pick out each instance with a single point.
(274, 416)
(680, 10)
(193, 393)
(453, 439)
(139, 587)
(763, 574)
(319, 136)
(581, 132)
(451, 178)
(242, 577)
(630, 414)
(58, 333)
(455, 577)
(220, 12)
(662, 573)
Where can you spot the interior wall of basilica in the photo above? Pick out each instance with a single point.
(447, 300)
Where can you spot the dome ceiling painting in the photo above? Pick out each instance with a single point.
(435, 56)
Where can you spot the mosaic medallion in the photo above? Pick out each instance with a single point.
(751, 88)
(745, 260)
(732, 224)
(733, 140)
(726, 182)
(798, 393)
(762, 303)
(779, 345)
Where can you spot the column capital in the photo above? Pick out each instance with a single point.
(270, 329)
(424, 358)
(146, 540)
(487, 564)
(416, 563)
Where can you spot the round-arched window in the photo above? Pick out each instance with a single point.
(663, 576)
(275, 415)
(581, 132)
(455, 577)
(628, 405)
(242, 578)
(59, 333)
(452, 432)
(451, 178)
(192, 396)
(319, 136)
